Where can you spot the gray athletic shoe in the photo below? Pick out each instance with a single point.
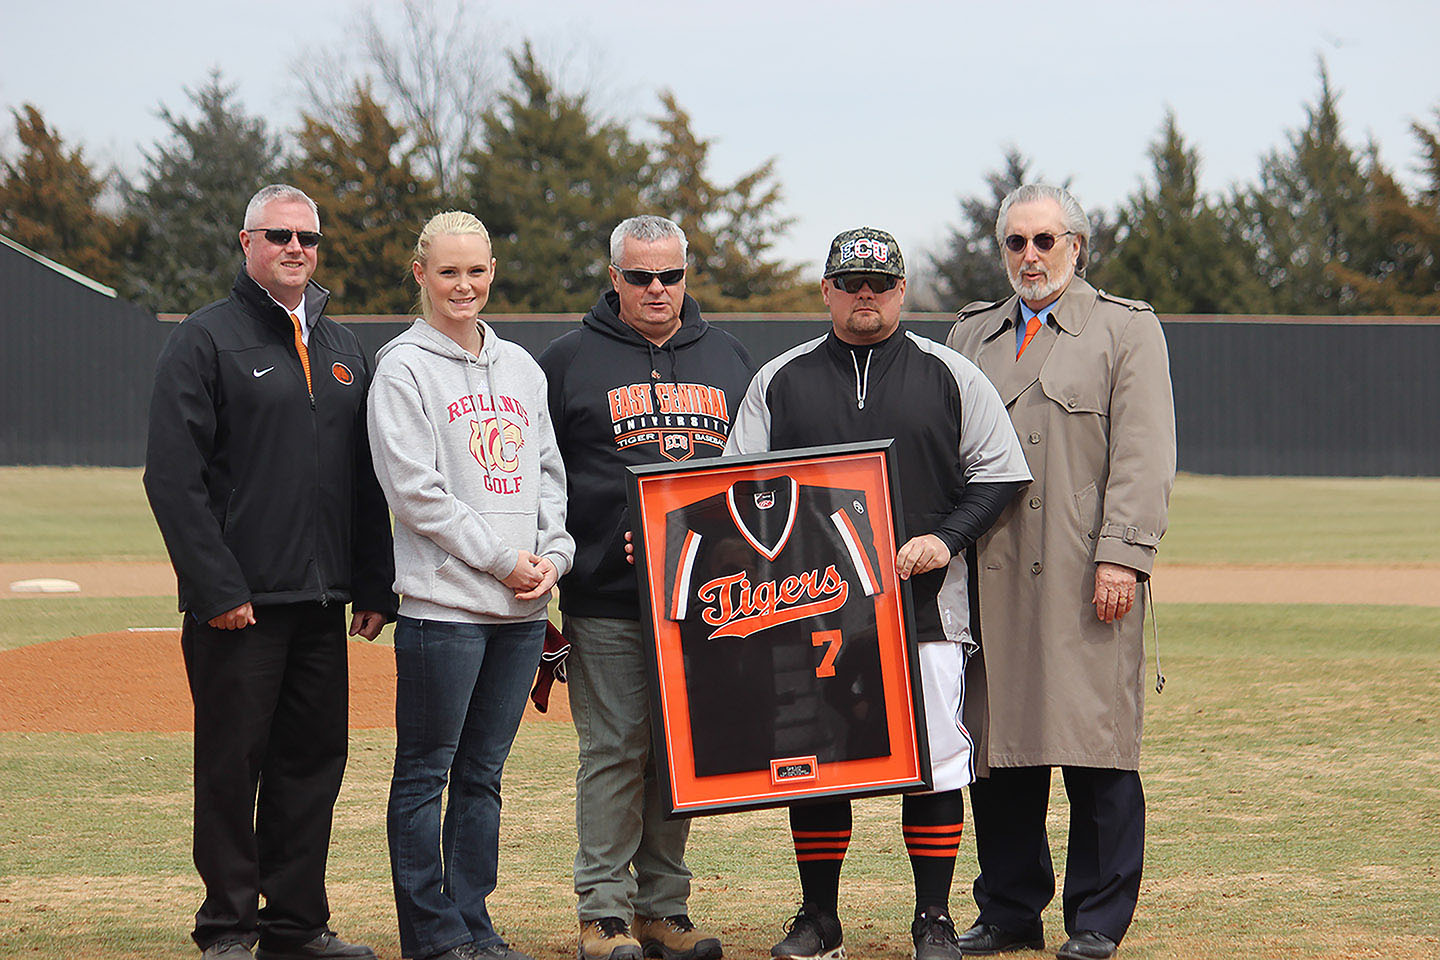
(811, 935)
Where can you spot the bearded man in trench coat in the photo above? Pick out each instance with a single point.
(1060, 678)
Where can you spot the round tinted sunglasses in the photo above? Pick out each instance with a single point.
(280, 236)
(877, 282)
(1044, 242)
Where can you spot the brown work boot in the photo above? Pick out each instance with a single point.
(675, 938)
(607, 938)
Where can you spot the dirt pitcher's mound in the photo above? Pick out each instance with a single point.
(136, 682)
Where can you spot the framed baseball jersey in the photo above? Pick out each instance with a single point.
(783, 661)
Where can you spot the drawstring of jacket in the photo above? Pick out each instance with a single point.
(862, 385)
(655, 372)
(654, 375)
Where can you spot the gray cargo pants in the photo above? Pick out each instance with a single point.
(618, 813)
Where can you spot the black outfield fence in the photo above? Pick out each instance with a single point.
(1307, 396)
(1253, 395)
(77, 366)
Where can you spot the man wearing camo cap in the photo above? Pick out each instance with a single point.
(960, 465)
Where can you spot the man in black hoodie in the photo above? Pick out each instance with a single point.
(645, 379)
(258, 470)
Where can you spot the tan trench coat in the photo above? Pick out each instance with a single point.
(1092, 405)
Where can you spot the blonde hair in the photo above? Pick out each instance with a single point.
(451, 223)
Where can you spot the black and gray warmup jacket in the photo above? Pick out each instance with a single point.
(959, 460)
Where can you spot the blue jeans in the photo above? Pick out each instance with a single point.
(460, 690)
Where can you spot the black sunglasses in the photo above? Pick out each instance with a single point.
(1043, 241)
(280, 236)
(878, 282)
(643, 278)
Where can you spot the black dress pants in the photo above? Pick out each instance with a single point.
(271, 727)
(1103, 863)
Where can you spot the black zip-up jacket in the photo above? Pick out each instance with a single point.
(264, 492)
(616, 399)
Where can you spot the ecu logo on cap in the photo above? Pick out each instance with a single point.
(865, 248)
(342, 373)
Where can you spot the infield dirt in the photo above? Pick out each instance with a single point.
(135, 681)
(120, 682)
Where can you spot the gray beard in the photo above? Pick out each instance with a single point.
(1044, 288)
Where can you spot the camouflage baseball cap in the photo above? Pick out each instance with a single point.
(864, 250)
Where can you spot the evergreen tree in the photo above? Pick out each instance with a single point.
(1311, 211)
(970, 268)
(190, 203)
(1408, 279)
(731, 229)
(48, 198)
(551, 183)
(372, 205)
(1172, 246)
(1429, 161)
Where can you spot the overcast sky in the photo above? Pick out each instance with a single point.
(881, 113)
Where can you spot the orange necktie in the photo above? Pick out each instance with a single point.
(305, 353)
(1031, 327)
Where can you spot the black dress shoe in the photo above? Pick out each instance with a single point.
(327, 946)
(1087, 945)
(226, 950)
(985, 939)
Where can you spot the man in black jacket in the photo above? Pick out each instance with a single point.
(644, 379)
(258, 471)
(960, 464)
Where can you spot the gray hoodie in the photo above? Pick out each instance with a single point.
(466, 455)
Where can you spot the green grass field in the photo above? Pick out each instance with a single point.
(1292, 771)
(1303, 520)
(75, 513)
(1292, 768)
(50, 617)
(64, 513)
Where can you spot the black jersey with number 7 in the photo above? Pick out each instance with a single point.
(772, 584)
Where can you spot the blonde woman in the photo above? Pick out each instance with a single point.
(466, 455)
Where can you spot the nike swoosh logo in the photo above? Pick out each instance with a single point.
(261, 373)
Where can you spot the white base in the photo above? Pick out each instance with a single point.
(44, 585)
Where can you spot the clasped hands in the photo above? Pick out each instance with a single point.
(532, 576)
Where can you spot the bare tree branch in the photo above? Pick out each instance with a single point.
(434, 64)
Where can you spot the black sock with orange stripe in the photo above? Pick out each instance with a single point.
(932, 823)
(822, 835)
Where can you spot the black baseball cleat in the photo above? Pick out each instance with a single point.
(1087, 945)
(934, 934)
(811, 935)
(985, 939)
